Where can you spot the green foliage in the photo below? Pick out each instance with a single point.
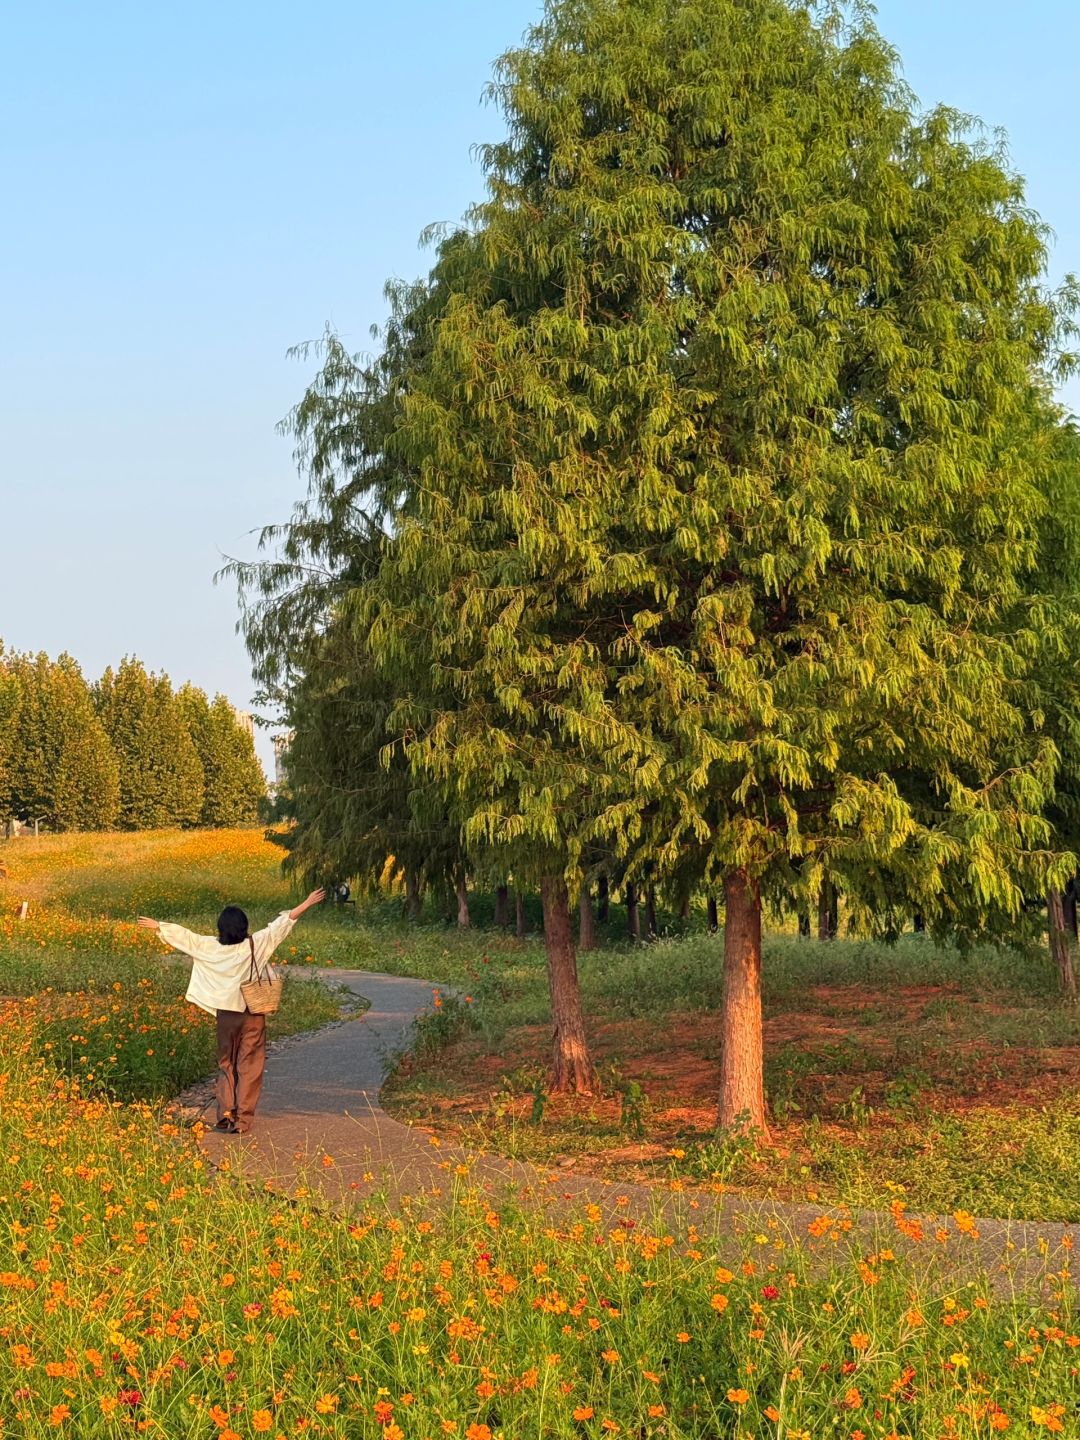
(60, 767)
(725, 489)
(161, 777)
(10, 697)
(233, 782)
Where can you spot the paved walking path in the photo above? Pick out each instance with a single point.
(320, 1125)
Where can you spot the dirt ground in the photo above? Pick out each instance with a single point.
(842, 1049)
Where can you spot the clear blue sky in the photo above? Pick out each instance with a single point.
(190, 189)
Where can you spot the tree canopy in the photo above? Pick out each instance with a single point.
(709, 474)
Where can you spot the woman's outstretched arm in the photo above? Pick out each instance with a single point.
(315, 898)
(178, 938)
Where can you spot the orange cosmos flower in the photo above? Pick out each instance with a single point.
(584, 1412)
(738, 1397)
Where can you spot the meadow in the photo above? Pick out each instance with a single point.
(104, 999)
(142, 1292)
(954, 1076)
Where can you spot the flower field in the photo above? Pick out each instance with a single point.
(141, 1293)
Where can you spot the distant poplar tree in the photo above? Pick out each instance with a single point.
(61, 768)
(9, 717)
(161, 777)
(233, 781)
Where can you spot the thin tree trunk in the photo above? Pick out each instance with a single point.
(413, 904)
(1062, 943)
(684, 909)
(918, 923)
(804, 923)
(633, 919)
(1069, 902)
(742, 1085)
(463, 904)
(650, 913)
(827, 916)
(586, 927)
(502, 907)
(714, 915)
(519, 914)
(571, 1066)
(602, 900)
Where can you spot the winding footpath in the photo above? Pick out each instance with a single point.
(320, 1127)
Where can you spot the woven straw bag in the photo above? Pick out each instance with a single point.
(262, 994)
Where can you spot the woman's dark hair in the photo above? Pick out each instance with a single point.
(232, 925)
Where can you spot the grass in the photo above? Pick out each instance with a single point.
(139, 1293)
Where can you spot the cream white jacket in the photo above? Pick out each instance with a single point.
(219, 970)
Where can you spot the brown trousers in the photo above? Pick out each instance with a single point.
(241, 1045)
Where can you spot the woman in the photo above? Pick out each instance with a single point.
(221, 967)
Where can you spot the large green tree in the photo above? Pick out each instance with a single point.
(161, 777)
(722, 488)
(61, 768)
(1056, 622)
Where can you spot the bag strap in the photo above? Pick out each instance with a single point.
(251, 973)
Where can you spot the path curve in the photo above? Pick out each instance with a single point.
(320, 1125)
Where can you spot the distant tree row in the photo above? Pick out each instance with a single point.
(128, 752)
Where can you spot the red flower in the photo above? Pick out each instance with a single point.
(770, 1292)
(131, 1398)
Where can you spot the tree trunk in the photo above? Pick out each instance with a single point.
(804, 923)
(519, 914)
(1069, 902)
(1062, 943)
(633, 919)
(413, 902)
(463, 904)
(571, 1067)
(714, 915)
(918, 923)
(742, 1084)
(502, 907)
(602, 900)
(684, 909)
(827, 914)
(650, 913)
(586, 928)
